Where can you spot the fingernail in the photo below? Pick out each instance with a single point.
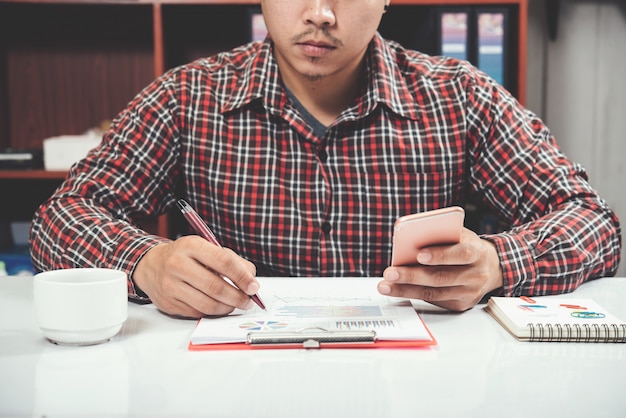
(424, 256)
(384, 289)
(253, 288)
(392, 275)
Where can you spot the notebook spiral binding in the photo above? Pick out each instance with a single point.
(598, 333)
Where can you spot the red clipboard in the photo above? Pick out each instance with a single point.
(308, 341)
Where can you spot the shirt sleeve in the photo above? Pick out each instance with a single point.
(562, 232)
(96, 217)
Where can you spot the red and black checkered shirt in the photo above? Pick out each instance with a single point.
(427, 132)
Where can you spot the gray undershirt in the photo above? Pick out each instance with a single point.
(318, 127)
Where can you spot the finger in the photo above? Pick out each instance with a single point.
(178, 308)
(226, 263)
(207, 290)
(242, 273)
(431, 276)
(426, 283)
(410, 291)
(189, 302)
(220, 291)
(454, 298)
(198, 303)
(465, 252)
(448, 255)
(186, 295)
(171, 296)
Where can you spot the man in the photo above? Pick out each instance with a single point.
(301, 151)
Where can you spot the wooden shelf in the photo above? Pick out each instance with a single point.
(33, 174)
(253, 2)
(67, 65)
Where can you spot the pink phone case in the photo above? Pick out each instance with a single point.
(435, 227)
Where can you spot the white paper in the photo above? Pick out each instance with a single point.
(333, 304)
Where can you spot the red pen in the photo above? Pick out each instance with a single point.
(527, 299)
(205, 232)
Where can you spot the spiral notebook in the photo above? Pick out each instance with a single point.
(557, 319)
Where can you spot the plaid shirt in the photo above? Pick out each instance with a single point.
(427, 132)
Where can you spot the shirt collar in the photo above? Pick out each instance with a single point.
(258, 79)
(386, 84)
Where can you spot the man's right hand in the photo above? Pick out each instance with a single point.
(185, 278)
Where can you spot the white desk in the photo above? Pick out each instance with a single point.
(476, 370)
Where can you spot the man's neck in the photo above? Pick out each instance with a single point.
(325, 98)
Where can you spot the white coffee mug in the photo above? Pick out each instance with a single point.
(80, 306)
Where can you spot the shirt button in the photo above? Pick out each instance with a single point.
(326, 227)
(323, 156)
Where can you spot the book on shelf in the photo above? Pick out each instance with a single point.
(477, 34)
(258, 30)
(557, 319)
(491, 43)
(21, 159)
(453, 33)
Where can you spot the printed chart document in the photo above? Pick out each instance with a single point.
(331, 312)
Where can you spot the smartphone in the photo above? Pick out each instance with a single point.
(434, 227)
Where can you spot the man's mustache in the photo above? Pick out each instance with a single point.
(334, 41)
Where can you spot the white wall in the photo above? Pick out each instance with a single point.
(577, 85)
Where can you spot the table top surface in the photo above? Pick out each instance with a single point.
(477, 369)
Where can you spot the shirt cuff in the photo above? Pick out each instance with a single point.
(516, 262)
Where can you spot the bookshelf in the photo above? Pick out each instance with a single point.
(65, 66)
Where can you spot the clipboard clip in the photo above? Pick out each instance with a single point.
(310, 337)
